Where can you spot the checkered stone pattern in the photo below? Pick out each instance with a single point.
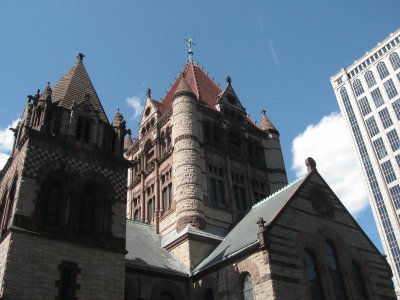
(40, 158)
(36, 158)
(14, 169)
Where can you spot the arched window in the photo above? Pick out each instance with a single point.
(358, 282)
(382, 70)
(83, 130)
(87, 212)
(358, 88)
(52, 203)
(370, 78)
(208, 294)
(167, 296)
(394, 60)
(335, 272)
(149, 150)
(247, 287)
(312, 276)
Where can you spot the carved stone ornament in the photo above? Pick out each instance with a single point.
(322, 202)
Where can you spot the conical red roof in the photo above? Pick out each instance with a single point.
(266, 124)
(203, 87)
(73, 86)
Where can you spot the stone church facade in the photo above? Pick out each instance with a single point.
(196, 207)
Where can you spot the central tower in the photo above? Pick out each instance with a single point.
(200, 163)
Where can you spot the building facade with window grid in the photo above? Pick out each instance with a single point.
(368, 95)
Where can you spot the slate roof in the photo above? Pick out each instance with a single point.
(145, 252)
(244, 234)
(72, 87)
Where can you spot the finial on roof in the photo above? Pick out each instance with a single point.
(48, 85)
(228, 79)
(311, 164)
(80, 56)
(263, 112)
(260, 234)
(189, 44)
(148, 93)
(261, 223)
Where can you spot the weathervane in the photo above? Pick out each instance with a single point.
(189, 44)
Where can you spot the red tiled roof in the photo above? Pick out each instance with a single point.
(72, 87)
(204, 88)
(266, 124)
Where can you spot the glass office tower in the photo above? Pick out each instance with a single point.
(368, 93)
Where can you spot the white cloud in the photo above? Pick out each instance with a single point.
(6, 142)
(136, 104)
(328, 142)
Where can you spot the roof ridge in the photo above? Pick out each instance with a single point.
(277, 192)
(195, 80)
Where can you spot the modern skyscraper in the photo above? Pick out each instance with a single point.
(368, 95)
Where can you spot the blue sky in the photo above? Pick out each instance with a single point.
(280, 55)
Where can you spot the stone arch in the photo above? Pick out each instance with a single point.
(168, 287)
(250, 267)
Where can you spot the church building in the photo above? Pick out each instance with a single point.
(197, 206)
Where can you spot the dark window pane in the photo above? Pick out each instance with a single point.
(312, 277)
(335, 272)
(88, 212)
(52, 203)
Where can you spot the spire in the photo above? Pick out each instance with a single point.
(73, 87)
(189, 44)
(266, 124)
(118, 119)
(46, 93)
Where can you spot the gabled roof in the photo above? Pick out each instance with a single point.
(204, 88)
(73, 86)
(244, 234)
(145, 252)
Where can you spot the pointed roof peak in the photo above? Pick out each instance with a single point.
(201, 84)
(266, 124)
(75, 86)
(183, 87)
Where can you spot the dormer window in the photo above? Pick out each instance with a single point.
(83, 130)
(147, 112)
